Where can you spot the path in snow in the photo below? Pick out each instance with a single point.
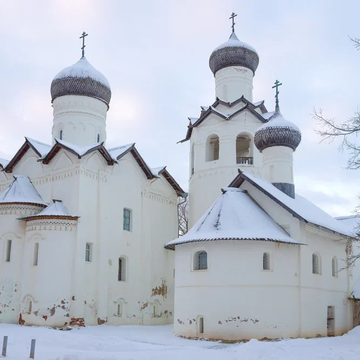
(158, 342)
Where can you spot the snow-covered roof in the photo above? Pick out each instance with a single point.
(352, 222)
(234, 216)
(235, 42)
(156, 171)
(40, 147)
(118, 151)
(299, 206)
(21, 190)
(83, 69)
(56, 210)
(79, 150)
(277, 120)
(3, 162)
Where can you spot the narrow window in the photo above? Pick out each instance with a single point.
(88, 254)
(266, 261)
(334, 267)
(212, 148)
(98, 137)
(192, 155)
(200, 260)
(127, 220)
(316, 264)
(36, 253)
(8, 250)
(119, 309)
(61, 135)
(201, 325)
(122, 269)
(154, 311)
(30, 307)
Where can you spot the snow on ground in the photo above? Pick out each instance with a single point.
(158, 342)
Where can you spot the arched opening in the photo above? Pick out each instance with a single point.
(61, 135)
(98, 138)
(334, 267)
(316, 264)
(200, 325)
(200, 260)
(122, 269)
(244, 150)
(266, 261)
(212, 148)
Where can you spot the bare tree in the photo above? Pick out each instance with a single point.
(183, 213)
(348, 132)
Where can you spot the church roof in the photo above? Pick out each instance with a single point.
(22, 191)
(80, 151)
(249, 106)
(299, 207)
(81, 79)
(233, 53)
(56, 210)
(234, 216)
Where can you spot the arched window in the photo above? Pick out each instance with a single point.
(200, 260)
(316, 264)
(244, 155)
(266, 261)
(212, 148)
(36, 254)
(334, 266)
(98, 138)
(122, 269)
(200, 325)
(156, 308)
(61, 134)
(88, 252)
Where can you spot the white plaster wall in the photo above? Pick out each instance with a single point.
(81, 119)
(237, 299)
(210, 176)
(233, 82)
(278, 164)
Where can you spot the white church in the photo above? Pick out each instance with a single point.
(89, 234)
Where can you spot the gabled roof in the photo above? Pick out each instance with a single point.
(150, 173)
(299, 207)
(234, 216)
(41, 149)
(352, 222)
(21, 191)
(212, 110)
(79, 151)
(57, 210)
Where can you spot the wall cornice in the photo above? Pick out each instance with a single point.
(51, 225)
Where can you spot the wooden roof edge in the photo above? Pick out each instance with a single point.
(33, 147)
(23, 203)
(175, 185)
(138, 158)
(17, 157)
(45, 217)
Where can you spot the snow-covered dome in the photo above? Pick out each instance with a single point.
(233, 53)
(81, 79)
(277, 132)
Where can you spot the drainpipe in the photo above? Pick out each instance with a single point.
(184, 195)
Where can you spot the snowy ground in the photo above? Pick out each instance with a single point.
(158, 342)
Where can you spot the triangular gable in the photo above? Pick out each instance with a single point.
(299, 207)
(150, 173)
(38, 147)
(79, 151)
(21, 191)
(212, 110)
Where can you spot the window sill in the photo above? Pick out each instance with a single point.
(205, 270)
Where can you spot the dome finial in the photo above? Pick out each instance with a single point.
(277, 84)
(232, 17)
(83, 41)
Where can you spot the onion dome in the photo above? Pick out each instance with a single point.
(233, 53)
(81, 79)
(277, 132)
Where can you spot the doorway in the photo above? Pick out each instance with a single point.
(331, 321)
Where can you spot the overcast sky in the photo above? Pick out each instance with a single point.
(155, 56)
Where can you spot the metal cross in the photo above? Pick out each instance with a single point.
(232, 17)
(277, 84)
(83, 39)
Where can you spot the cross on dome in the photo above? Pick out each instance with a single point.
(83, 42)
(232, 17)
(277, 84)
